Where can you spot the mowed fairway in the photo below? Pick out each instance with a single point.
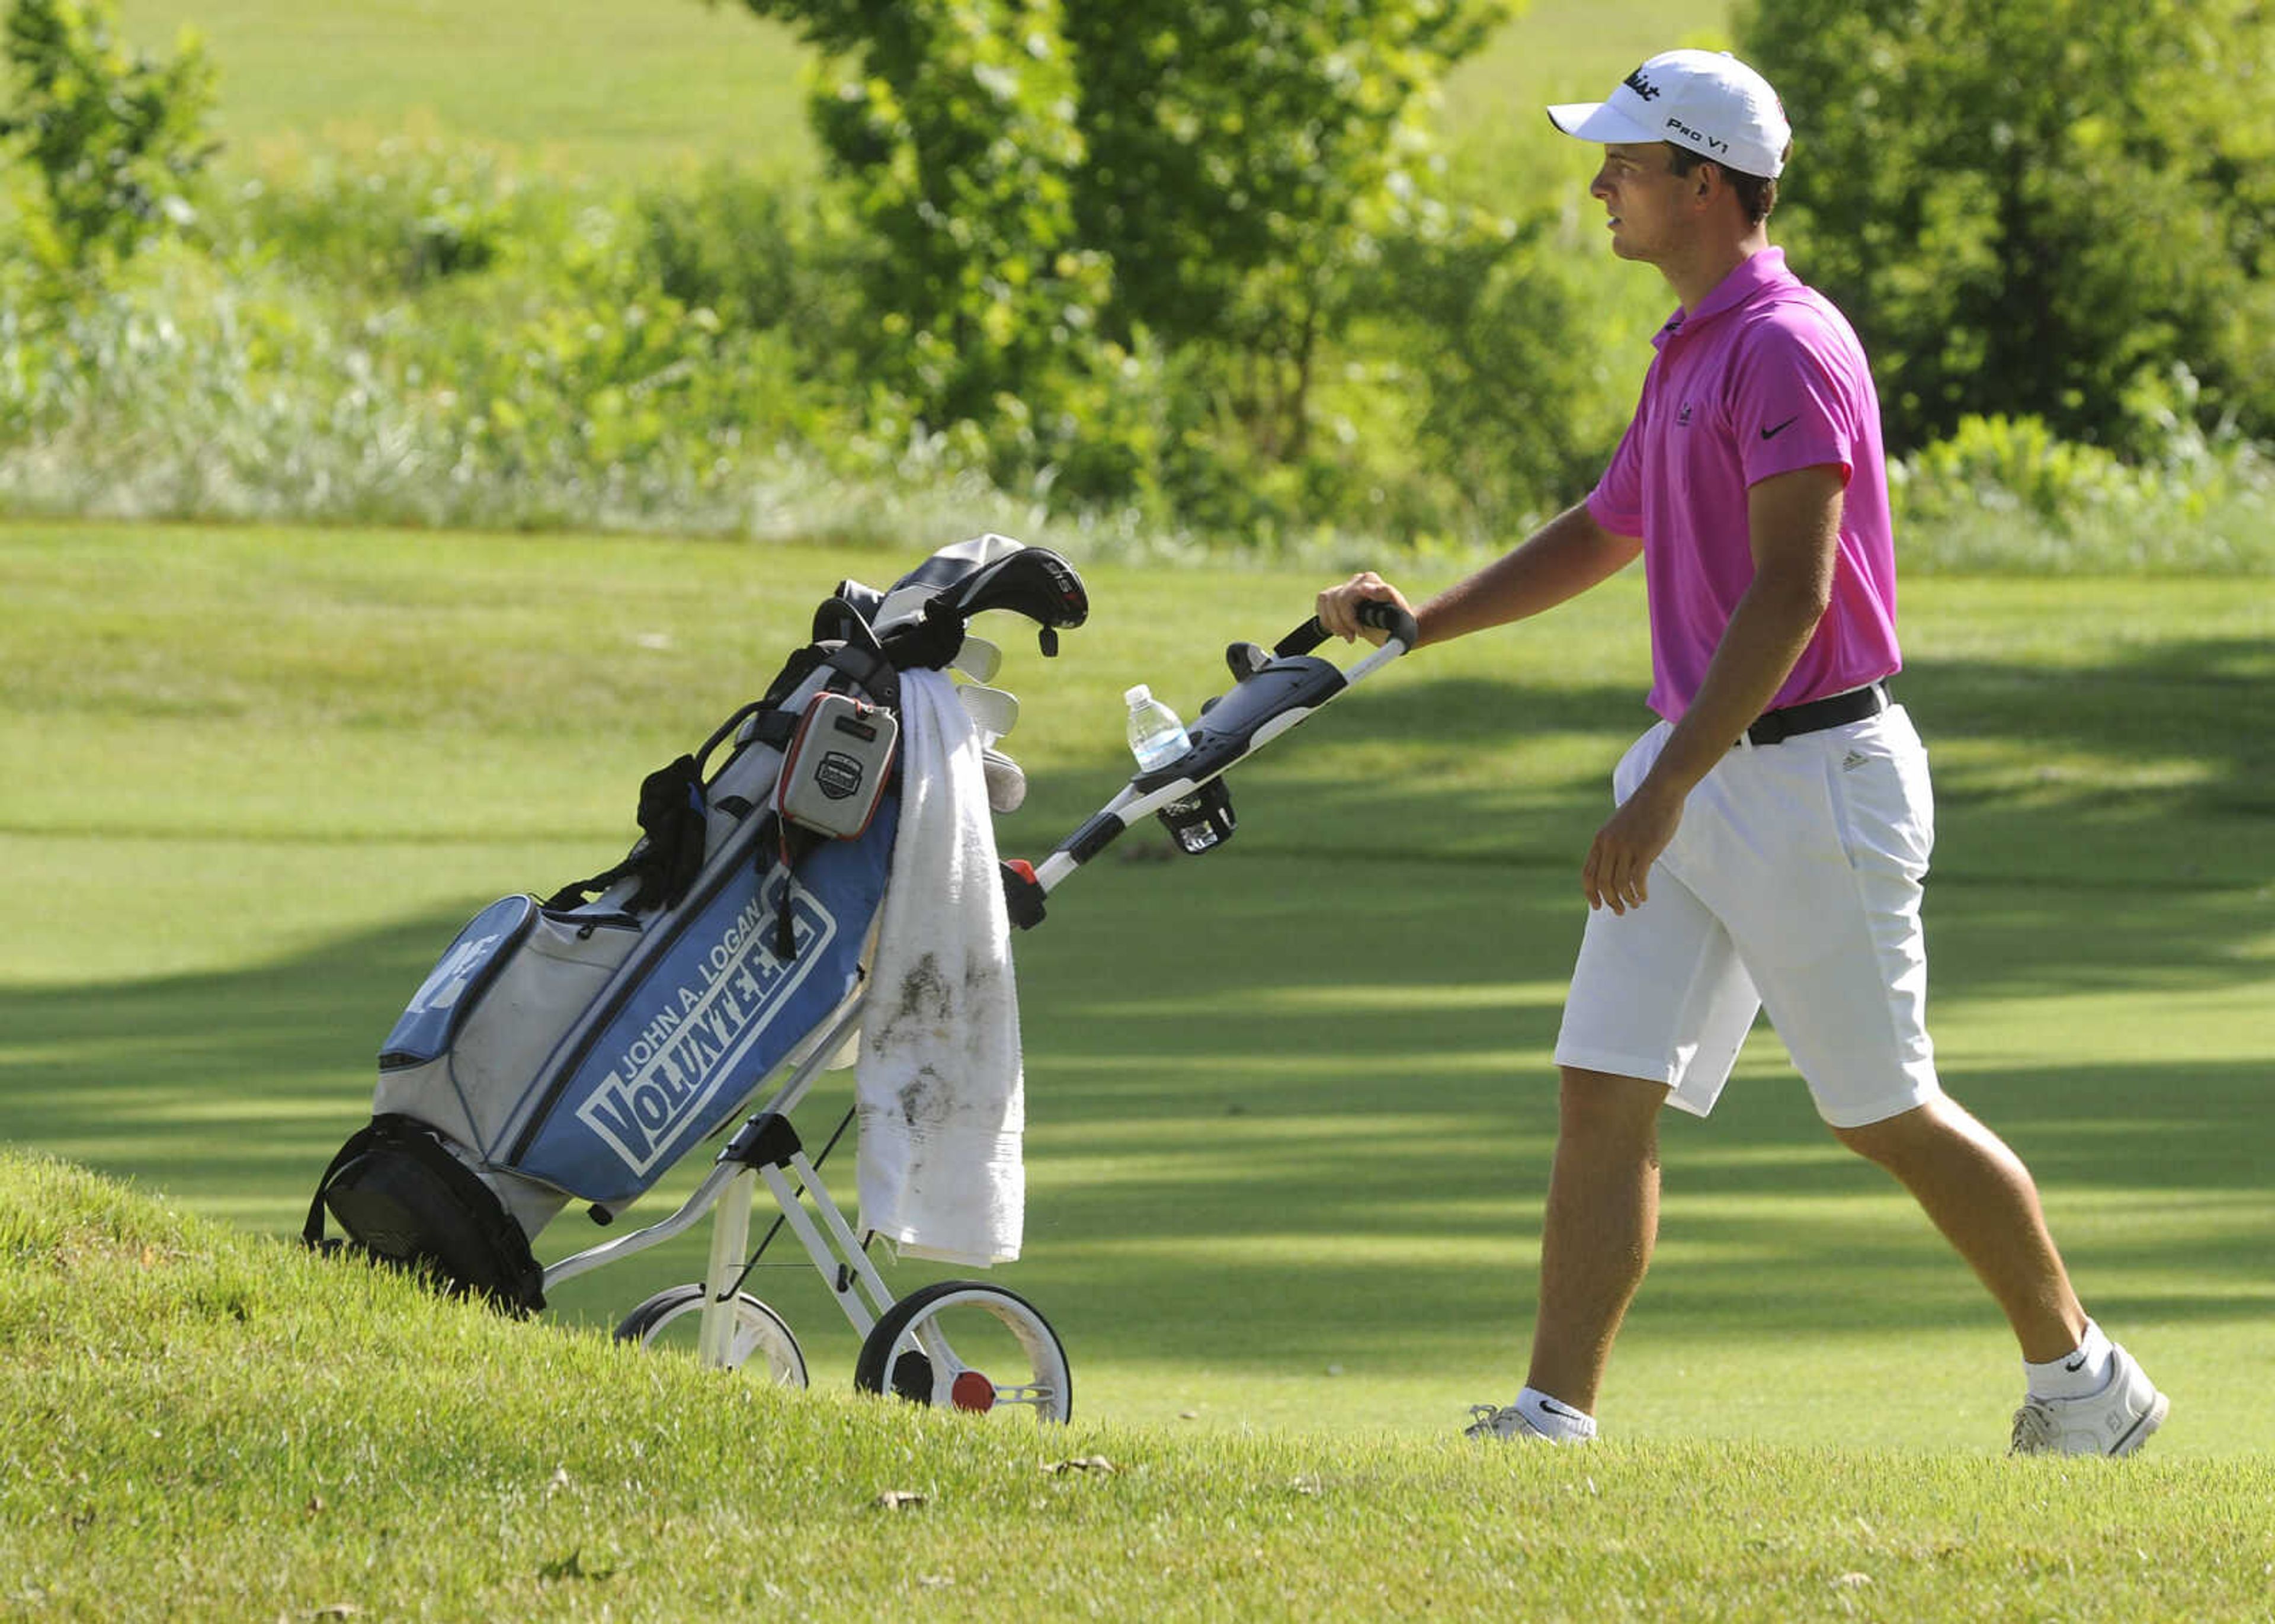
(1290, 1105)
(583, 86)
(608, 89)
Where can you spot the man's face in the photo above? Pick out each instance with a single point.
(1646, 200)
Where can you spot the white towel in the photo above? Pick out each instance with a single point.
(939, 1088)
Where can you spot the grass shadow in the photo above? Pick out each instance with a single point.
(1278, 1112)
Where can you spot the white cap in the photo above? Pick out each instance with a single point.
(1708, 102)
(1134, 696)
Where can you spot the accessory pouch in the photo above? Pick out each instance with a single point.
(836, 768)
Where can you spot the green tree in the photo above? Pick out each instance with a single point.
(2037, 208)
(1065, 204)
(1242, 161)
(108, 138)
(951, 125)
(1515, 363)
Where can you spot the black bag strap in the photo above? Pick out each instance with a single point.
(859, 658)
(869, 671)
(669, 854)
(789, 844)
(672, 804)
(311, 1233)
(771, 727)
(931, 640)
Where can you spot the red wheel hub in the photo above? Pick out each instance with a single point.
(972, 1391)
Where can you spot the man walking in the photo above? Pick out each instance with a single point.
(1772, 830)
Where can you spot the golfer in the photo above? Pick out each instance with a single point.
(1772, 829)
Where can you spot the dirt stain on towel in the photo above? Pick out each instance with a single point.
(924, 1098)
(919, 1013)
(919, 1010)
(922, 999)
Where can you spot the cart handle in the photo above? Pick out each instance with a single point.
(1269, 696)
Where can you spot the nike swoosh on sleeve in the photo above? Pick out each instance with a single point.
(1773, 432)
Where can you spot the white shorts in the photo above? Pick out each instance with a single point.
(1792, 884)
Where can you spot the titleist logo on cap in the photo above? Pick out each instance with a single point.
(1707, 102)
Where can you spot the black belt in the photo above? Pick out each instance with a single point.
(1837, 710)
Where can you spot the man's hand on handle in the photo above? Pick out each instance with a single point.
(1338, 605)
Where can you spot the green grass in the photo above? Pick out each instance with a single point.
(1290, 1114)
(1291, 1105)
(600, 87)
(583, 87)
(204, 1425)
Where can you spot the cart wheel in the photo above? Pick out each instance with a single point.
(673, 1319)
(1004, 1355)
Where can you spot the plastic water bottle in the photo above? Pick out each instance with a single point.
(1156, 736)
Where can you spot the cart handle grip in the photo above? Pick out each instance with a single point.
(1377, 612)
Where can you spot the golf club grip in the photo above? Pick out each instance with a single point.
(1375, 612)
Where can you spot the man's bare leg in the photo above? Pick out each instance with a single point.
(1981, 1195)
(1596, 1236)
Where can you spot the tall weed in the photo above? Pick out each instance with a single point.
(2004, 494)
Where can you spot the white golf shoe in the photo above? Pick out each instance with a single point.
(2115, 1421)
(1504, 1422)
(1511, 1424)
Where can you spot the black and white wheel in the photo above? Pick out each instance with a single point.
(962, 1345)
(674, 1317)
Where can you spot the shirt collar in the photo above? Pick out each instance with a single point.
(1756, 274)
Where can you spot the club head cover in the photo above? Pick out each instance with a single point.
(1034, 582)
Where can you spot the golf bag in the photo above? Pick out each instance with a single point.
(575, 1048)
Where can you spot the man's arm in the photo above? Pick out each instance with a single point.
(1563, 559)
(1794, 528)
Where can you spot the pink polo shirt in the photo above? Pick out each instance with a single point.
(1766, 377)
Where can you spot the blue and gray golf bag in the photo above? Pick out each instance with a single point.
(573, 1049)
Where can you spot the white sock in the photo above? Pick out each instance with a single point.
(2078, 1374)
(1559, 1420)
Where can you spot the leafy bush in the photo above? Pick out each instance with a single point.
(755, 251)
(407, 212)
(312, 361)
(110, 139)
(1519, 350)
